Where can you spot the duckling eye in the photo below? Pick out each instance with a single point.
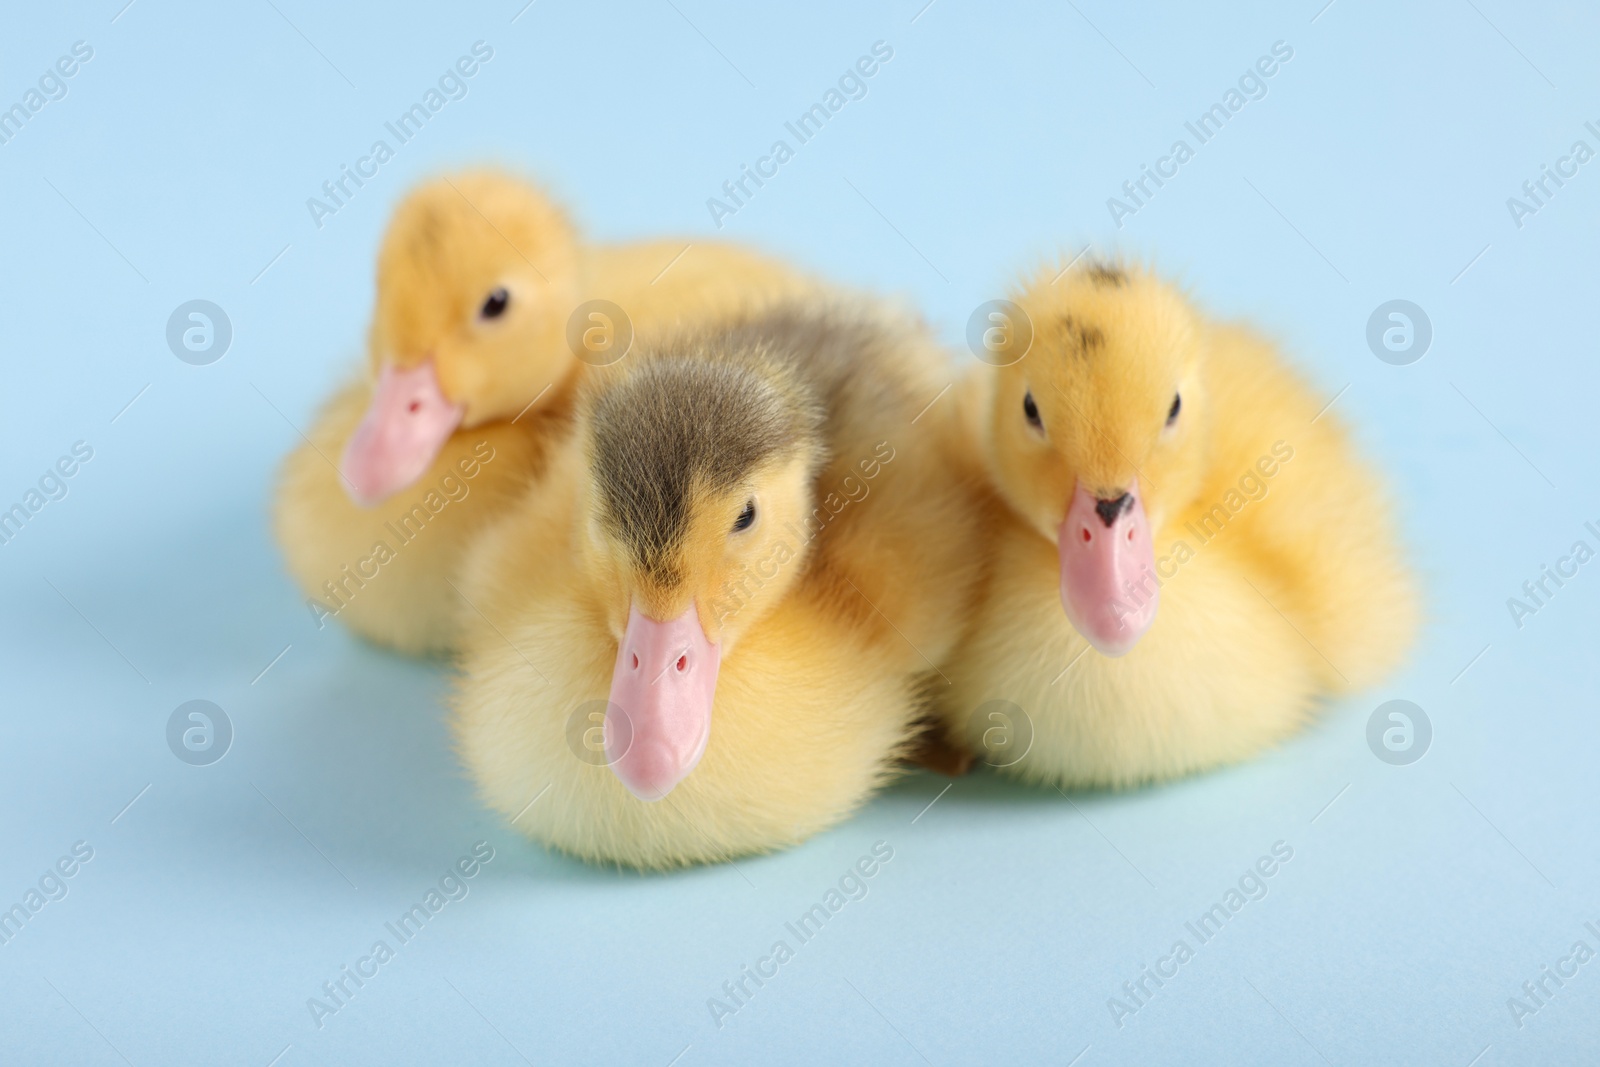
(746, 518)
(1030, 411)
(1172, 415)
(494, 305)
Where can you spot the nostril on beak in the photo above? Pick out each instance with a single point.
(414, 407)
(1110, 510)
(636, 661)
(683, 663)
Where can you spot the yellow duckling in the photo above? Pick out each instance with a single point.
(1222, 556)
(473, 373)
(704, 636)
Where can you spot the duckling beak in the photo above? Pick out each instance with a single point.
(407, 423)
(659, 717)
(1108, 580)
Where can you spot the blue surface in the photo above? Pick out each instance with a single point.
(1419, 898)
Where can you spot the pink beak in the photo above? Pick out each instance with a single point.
(407, 423)
(1108, 579)
(658, 719)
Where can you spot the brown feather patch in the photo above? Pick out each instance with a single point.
(1106, 276)
(1080, 336)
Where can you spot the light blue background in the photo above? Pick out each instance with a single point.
(1380, 161)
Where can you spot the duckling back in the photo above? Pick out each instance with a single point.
(1328, 546)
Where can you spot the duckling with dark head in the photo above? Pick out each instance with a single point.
(688, 456)
(767, 542)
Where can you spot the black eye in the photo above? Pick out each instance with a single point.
(1030, 410)
(1172, 415)
(494, 305)
(746, 518)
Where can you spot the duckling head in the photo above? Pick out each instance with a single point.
(1096, 436)
(701, 472)
(476, 277)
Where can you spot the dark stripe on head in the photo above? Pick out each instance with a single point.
(1079, 337)
(1106, 275)
(680, 425)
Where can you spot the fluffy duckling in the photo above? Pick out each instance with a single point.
(1192, 552)
(714, 643)
(472, 378)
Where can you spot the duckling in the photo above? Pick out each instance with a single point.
(1191, 553)
(708, 633)
(472, 382)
